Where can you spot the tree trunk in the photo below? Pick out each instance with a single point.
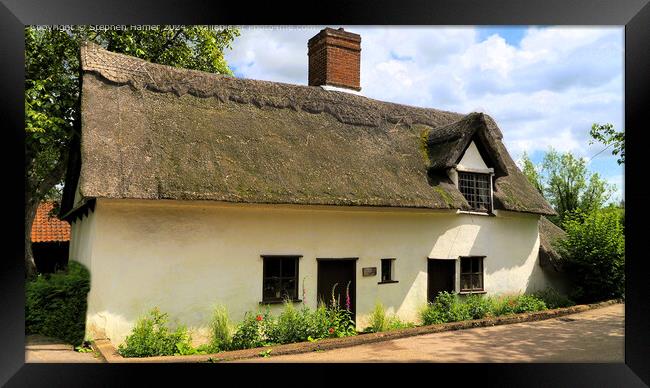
(31, 204)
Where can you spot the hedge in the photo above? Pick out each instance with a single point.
(56, 304)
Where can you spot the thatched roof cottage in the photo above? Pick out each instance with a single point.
(190, 189)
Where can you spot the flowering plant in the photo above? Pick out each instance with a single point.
(347, 297)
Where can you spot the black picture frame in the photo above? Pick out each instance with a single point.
(633, 14)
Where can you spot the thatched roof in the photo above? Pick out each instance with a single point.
(549, 233)
(157, 132)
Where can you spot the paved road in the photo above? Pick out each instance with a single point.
(591, 336)
(43, 349)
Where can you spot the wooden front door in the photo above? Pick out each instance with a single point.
(441, 277)
(339, 272)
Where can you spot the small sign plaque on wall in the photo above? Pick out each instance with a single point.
(369, 271)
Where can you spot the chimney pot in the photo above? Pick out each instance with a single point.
(335, 59)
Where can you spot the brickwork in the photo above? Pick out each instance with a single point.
(335, 59)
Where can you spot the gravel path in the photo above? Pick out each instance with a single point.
(43, 349)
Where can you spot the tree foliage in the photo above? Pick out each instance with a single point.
(52, 95)
(565, 182)
(531, 172)
(606, 134)
(594, 250)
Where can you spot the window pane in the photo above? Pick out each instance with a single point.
(465, 265)
(271, 289)
(271, 267)
(288, 267)
(288, 289)
(476, 190)
(386, 270)
(476, 282)
(478, 265)
(465, 282)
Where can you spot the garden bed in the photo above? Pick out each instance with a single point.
(108, 351)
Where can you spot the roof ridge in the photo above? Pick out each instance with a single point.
(346, 108)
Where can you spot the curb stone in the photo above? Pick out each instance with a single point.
(110, 354)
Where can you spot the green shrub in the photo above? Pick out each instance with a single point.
(515, 304)
(291, 325)
(528, 304)
(252, 331)
(431, 315)
(478, 307)
(340, 322)
(319, 323)
(151, 337)
(220, 331)
(395, 323)
(56, 304)
(594, 250)
(553, 299)
(378, 320)
(447, 307)
(504, 305)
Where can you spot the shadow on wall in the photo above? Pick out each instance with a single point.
(554, 279)
(511, 262)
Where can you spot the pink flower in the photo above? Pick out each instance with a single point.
(347, 297)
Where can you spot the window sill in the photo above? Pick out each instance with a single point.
(388, 282)
(488, 214)
(472, 292)
(280, 301)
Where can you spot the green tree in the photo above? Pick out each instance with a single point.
(52, 91)
(565, 182)
(531, 172)
(606, 134)
(570, 187)
(594, 250)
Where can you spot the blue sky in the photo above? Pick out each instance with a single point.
(511, 34)
(543, 85)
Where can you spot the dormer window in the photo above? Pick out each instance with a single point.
(477, 190)
(474, 180)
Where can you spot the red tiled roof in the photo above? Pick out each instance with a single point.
(46, 228)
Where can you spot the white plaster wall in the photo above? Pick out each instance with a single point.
(472, 159)
(82, 237)
(186, 257)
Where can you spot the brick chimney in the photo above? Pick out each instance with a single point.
(335, 59)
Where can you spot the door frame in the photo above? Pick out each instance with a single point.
(354, 278)
(456, 280)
